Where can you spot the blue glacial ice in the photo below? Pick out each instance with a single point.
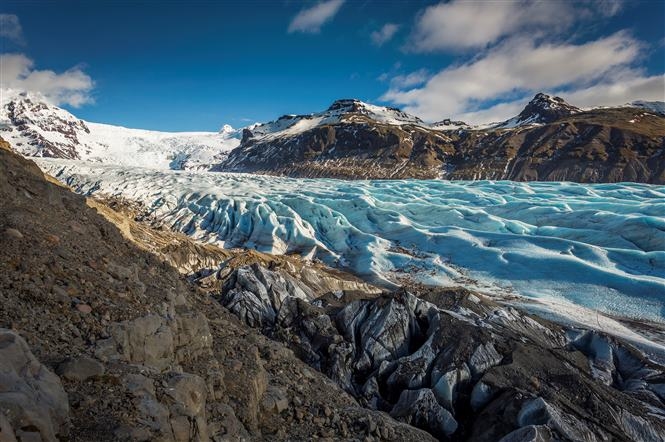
(598, 246)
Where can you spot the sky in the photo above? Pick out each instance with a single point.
(196, 65)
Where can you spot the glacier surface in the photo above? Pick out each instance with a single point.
(598, 246)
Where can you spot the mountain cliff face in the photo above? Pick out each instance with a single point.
(548, 140)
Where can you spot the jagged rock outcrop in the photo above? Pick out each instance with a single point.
(550, 140)
(462, 367)
(25, 116)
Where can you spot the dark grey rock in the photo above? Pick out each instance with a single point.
(32, 398)
(80, 369)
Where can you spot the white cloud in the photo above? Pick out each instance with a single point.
(311, 19)
(498, 112)
(651, 88)
(462, 25)
(10, 28)
(409, 80)
(516, 67)
(385, 34)
(72, 86)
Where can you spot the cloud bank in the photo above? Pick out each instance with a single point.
(17, 71)
(72, 87)
(311, 19)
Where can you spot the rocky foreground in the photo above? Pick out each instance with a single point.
(102, 337)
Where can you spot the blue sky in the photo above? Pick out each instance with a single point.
(195, 65)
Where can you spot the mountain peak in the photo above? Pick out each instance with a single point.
(542, 109)
(346, 104)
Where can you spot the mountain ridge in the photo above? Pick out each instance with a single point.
(548, 140)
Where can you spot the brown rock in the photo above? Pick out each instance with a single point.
(84, 308)
(53, 240)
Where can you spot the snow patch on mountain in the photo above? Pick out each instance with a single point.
(596, 246)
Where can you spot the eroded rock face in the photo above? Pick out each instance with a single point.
(461, 367)
(157, 342)
(33, 404)
(173, 412)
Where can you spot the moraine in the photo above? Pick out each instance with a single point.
(600, 247)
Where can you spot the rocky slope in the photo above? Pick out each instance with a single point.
(36, 128)
(550, 140)
(102, 339)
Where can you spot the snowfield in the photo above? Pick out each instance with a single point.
(597, 246)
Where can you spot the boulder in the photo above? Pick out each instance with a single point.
(188, 407)
(157, 342)
(80, 369)
(32, 399)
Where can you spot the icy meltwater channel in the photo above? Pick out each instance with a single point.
(598, 246)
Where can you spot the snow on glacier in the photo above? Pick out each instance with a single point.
(598, 246)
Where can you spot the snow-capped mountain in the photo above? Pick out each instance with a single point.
(448, 124)
(549, 140)
(341, 111)
(36, 128)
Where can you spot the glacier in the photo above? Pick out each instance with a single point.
(599, 246)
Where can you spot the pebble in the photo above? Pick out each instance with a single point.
(52, 239)
(61, 295)
(13, 233)
(84, 308)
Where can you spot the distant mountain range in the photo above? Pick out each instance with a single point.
(550, 140)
